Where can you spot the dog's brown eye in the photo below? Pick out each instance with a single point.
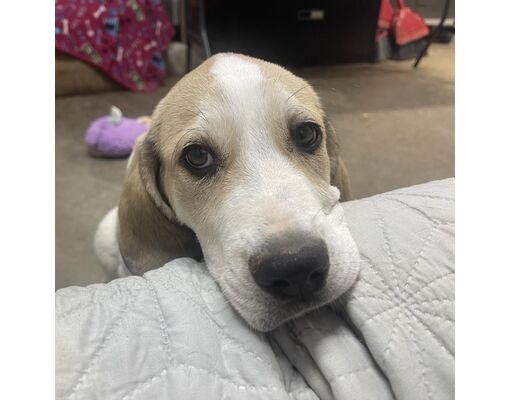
(307, 136)
(198, 158)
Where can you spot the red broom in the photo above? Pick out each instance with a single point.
(407, 26)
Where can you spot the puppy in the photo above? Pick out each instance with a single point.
(240, 168)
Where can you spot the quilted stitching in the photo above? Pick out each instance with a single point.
(418, 311)
(345, 375)
(403, 306)
(183, 296)
(145, 384)
(110, 334)
(387, 247)
(423, 368)
(165, 340)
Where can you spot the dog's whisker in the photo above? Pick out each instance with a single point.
(297, 91)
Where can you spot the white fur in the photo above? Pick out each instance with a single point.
(239, 79)
(106, 246)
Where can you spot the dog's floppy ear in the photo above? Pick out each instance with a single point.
(149, 234)
(338, 171)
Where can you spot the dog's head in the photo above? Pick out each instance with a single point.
(241, 165)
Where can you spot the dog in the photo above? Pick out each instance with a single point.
(241, 168)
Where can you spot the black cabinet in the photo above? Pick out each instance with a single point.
(289, 32)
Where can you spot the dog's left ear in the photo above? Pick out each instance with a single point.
(338, 171)
(149, 234)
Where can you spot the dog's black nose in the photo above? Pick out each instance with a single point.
(292, 270)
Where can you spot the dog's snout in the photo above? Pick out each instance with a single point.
(296, 269)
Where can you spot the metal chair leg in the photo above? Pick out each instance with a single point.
(201, 36)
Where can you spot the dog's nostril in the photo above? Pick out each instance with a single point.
(280, 283)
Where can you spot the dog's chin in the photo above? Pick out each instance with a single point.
(264, 313)
(265, 320)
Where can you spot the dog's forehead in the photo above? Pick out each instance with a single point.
(229, 76)
(232, 87)
(233, 73)
(241, 78)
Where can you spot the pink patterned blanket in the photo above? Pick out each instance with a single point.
(126, 39)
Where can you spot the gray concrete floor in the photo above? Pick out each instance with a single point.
(396, 127)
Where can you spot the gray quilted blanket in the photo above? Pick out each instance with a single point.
(172, 335)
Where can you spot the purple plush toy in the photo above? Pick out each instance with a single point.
(114, 135)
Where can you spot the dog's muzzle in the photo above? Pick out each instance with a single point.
(293, 267)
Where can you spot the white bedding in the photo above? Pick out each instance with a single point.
(172, 335)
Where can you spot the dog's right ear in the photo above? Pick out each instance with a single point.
(149, 234)
(338, 171)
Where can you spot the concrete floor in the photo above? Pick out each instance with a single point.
(396, 126)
